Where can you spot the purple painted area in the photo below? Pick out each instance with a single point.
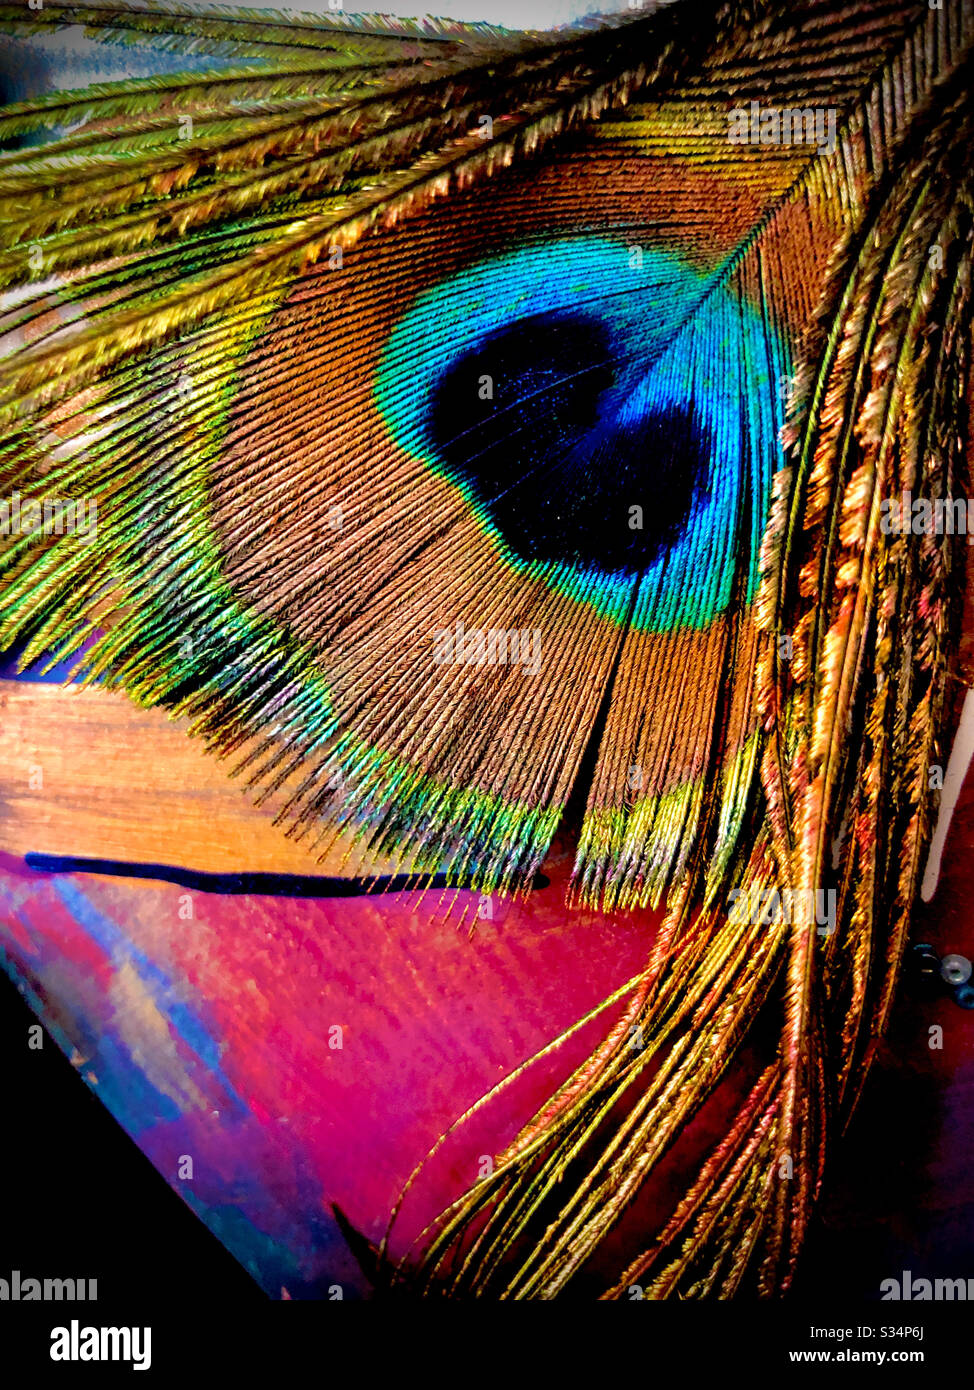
(59, 674)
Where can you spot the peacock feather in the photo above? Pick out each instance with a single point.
(492, 431)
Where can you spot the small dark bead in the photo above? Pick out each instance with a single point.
(964, 996)
(925, 960)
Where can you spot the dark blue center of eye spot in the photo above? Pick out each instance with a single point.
(528, 421)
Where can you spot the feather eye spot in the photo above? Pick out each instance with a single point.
(518, 420)
(588, 412)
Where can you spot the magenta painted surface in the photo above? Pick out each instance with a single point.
(210, 1038)
(214, 1037)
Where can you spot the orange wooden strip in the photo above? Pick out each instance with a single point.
(88, 773)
